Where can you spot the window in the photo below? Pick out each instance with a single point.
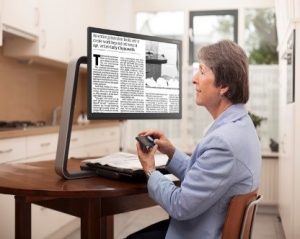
(260, 46)
(207, 27)
(261, 36)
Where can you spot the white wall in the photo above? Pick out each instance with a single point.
(171, 5)
(119, 15)
(288, 18)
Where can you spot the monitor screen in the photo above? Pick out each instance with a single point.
(133, 76)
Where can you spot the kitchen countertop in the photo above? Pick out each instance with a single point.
(30, 131)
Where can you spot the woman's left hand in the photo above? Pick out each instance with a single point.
(146, 157)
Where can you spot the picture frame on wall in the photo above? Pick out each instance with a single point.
(290, 58)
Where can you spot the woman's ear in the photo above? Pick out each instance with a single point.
(223, 90)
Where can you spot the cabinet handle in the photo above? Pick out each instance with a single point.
(74, 140)
(45, 144)
(6, 151)
(36, 17)
(43, 38)
(70, 45)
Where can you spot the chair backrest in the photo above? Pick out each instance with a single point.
(240, 216)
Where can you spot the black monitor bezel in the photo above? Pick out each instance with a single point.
(122, 116)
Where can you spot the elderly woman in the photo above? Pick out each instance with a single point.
(225, 163)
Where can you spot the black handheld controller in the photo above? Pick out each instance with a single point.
(146, 141)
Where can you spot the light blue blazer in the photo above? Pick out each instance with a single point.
(226, 162)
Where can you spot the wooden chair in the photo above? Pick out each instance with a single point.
(240, 216)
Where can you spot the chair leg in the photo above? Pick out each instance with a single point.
(251, 205)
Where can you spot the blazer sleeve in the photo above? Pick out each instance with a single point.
(178, 164)
(203, 185)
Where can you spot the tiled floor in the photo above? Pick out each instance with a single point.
(267, 226)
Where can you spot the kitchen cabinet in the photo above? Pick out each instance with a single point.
(77, 23)
(12, 149)
(94, 142)
(89, 13)
(83, 143)
(84, 14)
(41, 145)
(51, 42)
(21, 18)
(62, 31)
(46, 222)
(53, 33)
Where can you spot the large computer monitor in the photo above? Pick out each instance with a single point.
(133, 76)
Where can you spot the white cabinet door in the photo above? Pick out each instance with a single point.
(12, 149)
(21, 17)
(77, 23)
(39, 158)
(77, 139)
(78, 152)
(102, 141)
(62, 29)
(103, 134)
(41, 145)
(101, 149)
(83, 14)
(46, 222)
(52, 34)
(54, 30)
(7, 218)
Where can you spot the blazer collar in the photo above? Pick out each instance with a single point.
(231, 114)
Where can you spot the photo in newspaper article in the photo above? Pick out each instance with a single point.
(131, 75)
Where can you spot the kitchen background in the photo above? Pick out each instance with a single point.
(39, 37)
(31, 91)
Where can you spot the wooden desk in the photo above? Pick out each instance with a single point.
(93, 199)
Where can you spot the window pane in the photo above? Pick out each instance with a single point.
(209, 27)
(261, 36)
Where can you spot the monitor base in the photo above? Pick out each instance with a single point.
(65, 129)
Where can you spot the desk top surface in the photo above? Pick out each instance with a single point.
(39, 179)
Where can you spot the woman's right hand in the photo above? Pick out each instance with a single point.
(164, 145)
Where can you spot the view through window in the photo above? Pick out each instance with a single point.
(260, 45)
(261, 36)
(207, 27)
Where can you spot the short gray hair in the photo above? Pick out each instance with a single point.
(229, 64)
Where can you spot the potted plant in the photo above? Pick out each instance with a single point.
(256, 119)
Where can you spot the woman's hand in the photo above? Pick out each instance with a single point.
(146, 157)
(164, 145)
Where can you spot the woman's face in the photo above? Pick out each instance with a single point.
(207, 94)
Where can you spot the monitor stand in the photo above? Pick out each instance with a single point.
(65, 129)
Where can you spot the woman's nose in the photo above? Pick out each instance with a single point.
(195, 78)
